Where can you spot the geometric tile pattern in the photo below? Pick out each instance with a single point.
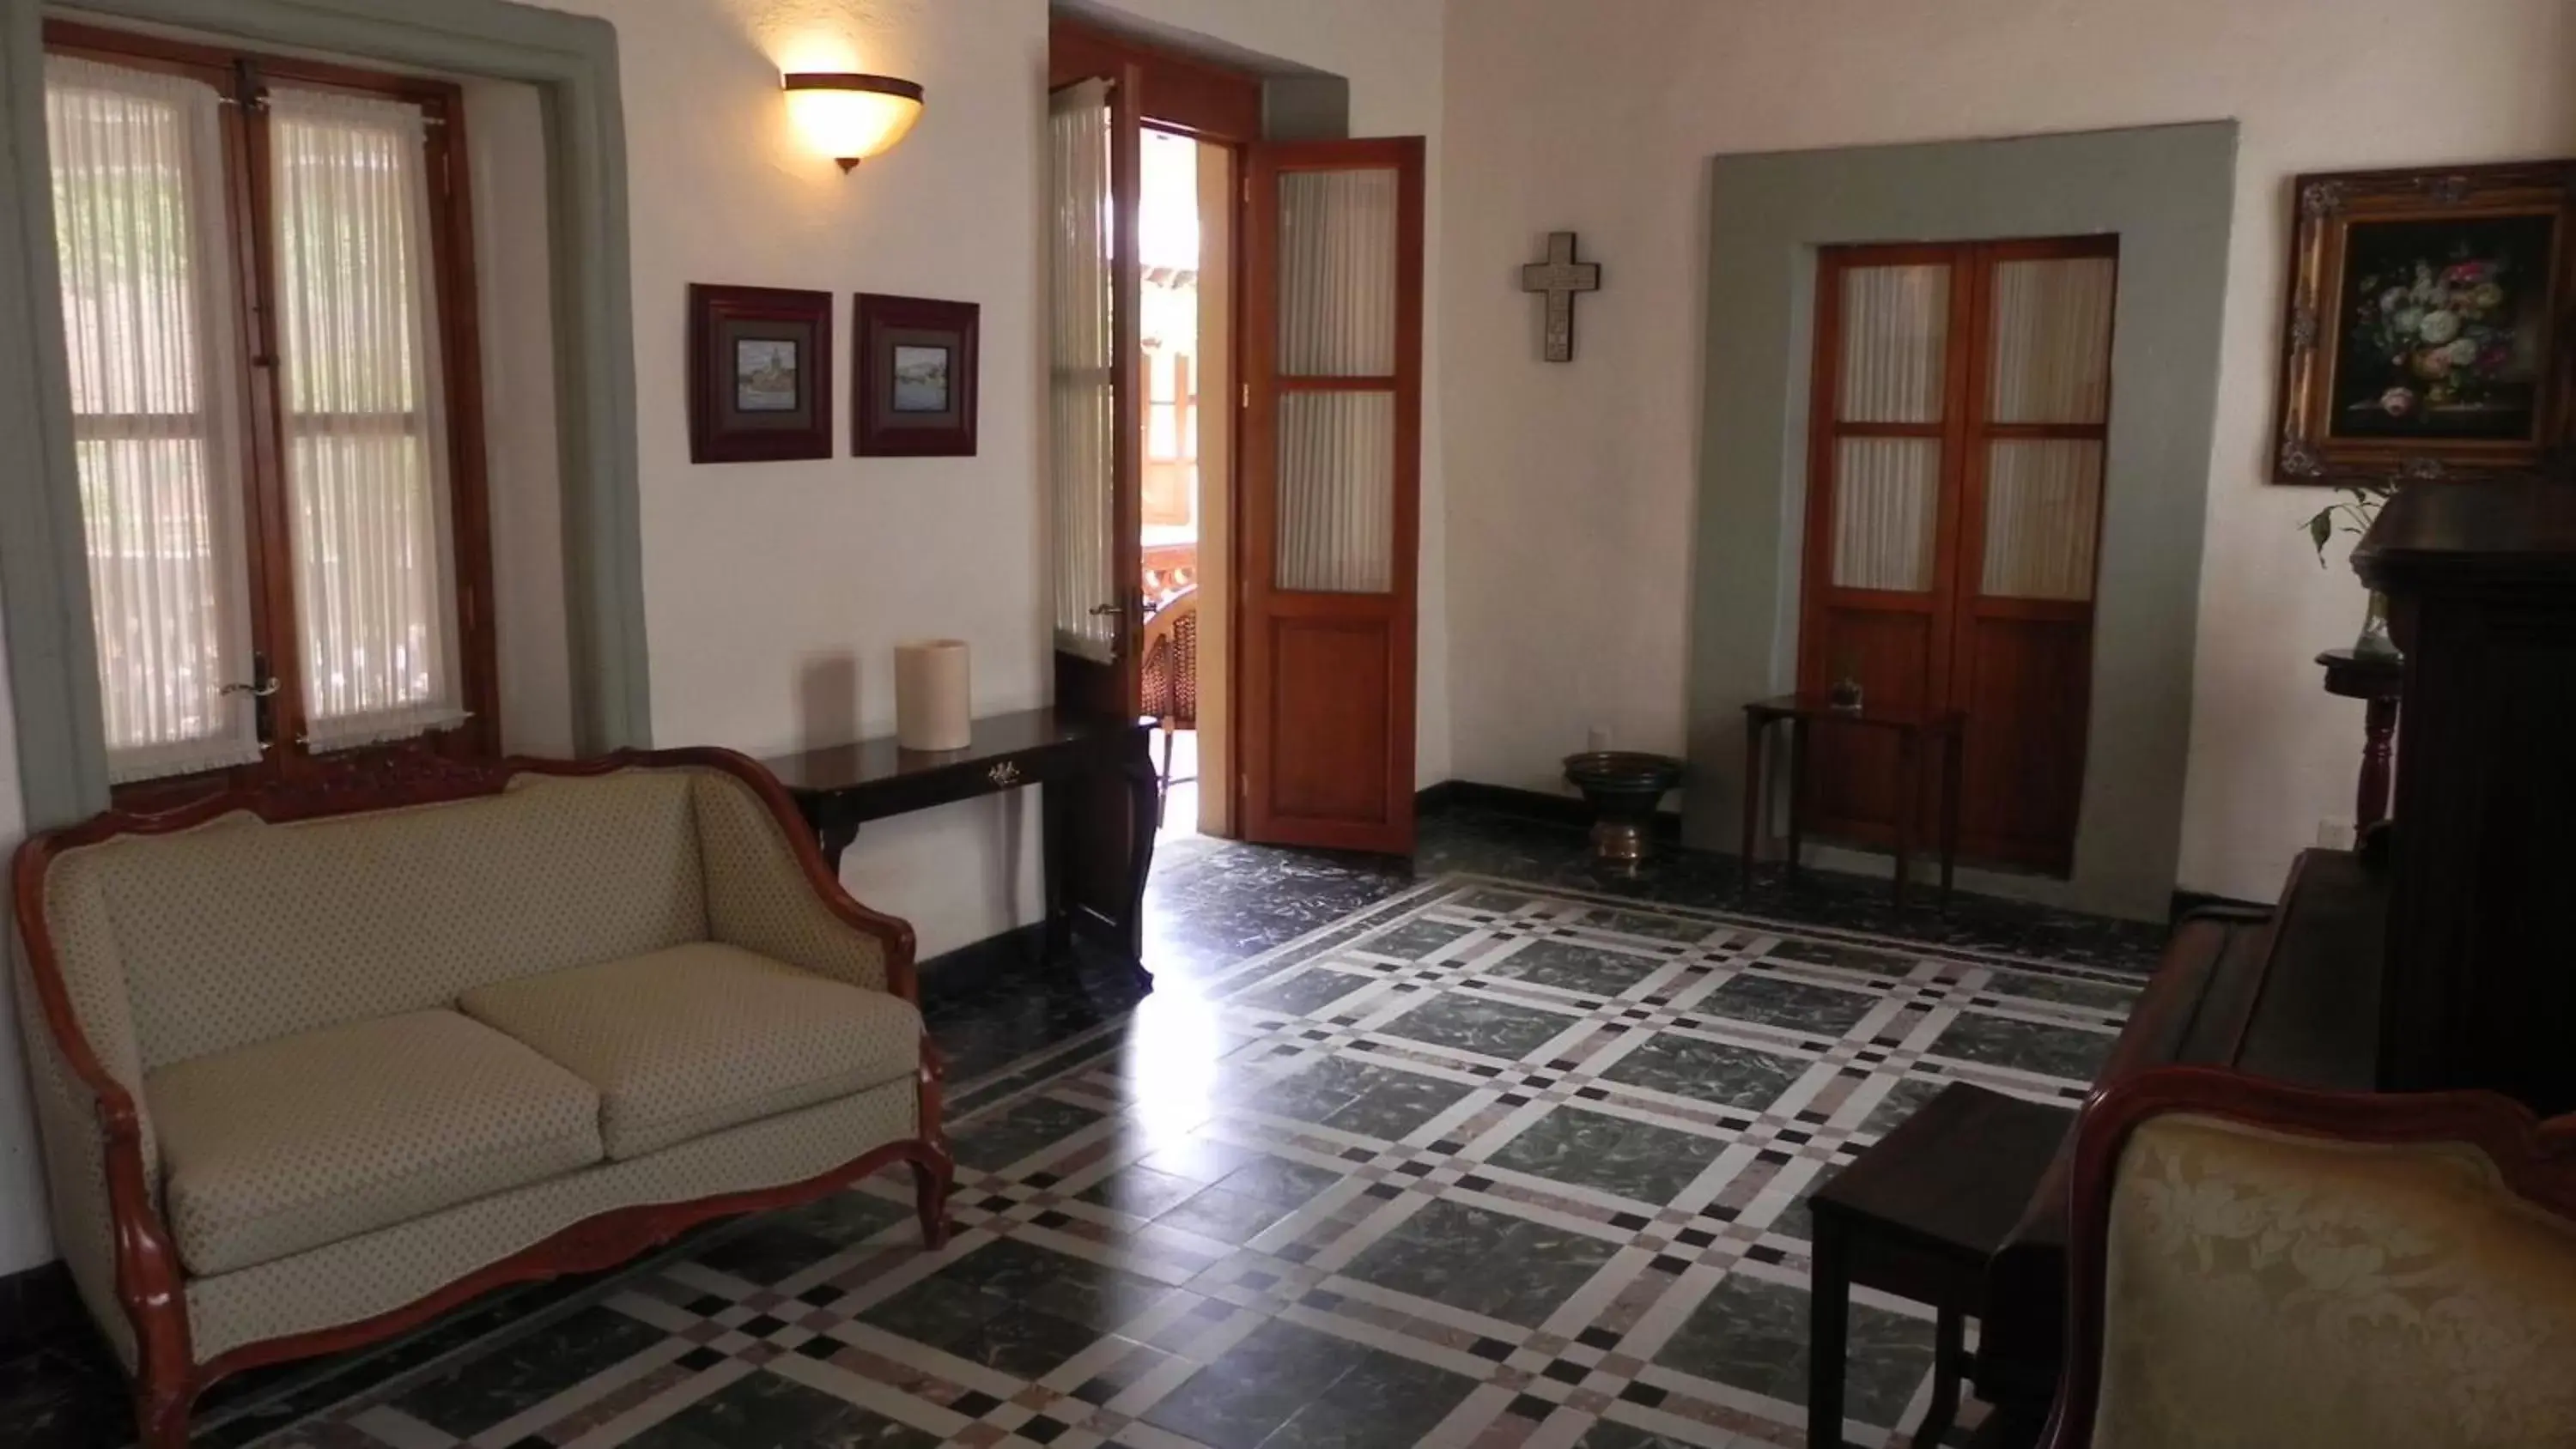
(1484, 1165)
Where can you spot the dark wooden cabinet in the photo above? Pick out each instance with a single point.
(2480, 986)
(2442, 955)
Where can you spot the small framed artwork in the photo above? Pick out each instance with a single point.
(760, 374)
(916, 363)
(2429, 330)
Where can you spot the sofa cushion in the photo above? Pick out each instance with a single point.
(290, 1144)
(701, 1037)
(239, 931)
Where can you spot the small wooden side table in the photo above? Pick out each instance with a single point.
(2378, 679)
(1920, 1215)
(1913, 729)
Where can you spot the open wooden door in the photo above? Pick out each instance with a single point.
(1331, 500)
(1095, 145)
(1094, 460)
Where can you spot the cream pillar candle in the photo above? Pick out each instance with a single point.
(933, 707)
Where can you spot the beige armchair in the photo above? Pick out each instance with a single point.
(315, 1064)
(2259, 1265)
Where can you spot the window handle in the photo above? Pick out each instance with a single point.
(261, 690)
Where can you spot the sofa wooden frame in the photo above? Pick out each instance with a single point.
(2536, 1160)
(150, 1283)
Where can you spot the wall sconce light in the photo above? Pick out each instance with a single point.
(851, 117)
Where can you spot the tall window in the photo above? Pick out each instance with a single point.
(268, 314)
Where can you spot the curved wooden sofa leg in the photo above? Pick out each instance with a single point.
(161, 1415)
(934, 1171)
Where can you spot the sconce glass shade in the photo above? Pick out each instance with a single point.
(851, 117)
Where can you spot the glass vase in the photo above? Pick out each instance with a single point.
(2374, 642)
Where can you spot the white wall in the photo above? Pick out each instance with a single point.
(505, 165)
(1571, 509)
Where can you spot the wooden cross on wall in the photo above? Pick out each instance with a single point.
(1560, 277)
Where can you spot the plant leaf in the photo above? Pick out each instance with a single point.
(2320, 531)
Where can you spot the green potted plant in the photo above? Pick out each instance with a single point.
(2352, 513)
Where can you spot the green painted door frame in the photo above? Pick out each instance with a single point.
(44, 579)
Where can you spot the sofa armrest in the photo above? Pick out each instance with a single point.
(769, 891)
(102, 1164)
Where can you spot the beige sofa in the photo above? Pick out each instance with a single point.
(315, 1064)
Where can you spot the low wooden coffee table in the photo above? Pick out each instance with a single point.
(1918, 1216)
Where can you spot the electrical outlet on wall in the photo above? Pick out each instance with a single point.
(1597, 738)
(2333, 834)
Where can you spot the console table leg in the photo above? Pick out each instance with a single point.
(1909, 803)
(1754, 730)
(1145, 796)
(836, 837)
(1953, 766)
(1055, 814)
(1828, 1324)
(2377, 757)
(1949, 1366)
(1799, 750)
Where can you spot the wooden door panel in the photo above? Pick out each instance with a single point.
(2024, 765)
(1345, 668)
(1331, 493)
(1114, 688)
(1852, 780)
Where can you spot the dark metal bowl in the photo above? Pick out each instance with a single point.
(1623, 787)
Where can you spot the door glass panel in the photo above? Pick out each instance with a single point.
(1896, 331)
(1337, 492)
(1886, 492)
(1082, 397)
(2043, 512)
(2052, 345)
(1337, 273)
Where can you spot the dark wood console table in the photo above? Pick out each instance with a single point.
(838, 788)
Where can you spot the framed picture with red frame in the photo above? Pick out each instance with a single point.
(760, 374)
(915, 362)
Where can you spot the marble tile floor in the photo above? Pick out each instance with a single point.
(1187, 1262)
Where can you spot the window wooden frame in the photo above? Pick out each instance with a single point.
(241, 77)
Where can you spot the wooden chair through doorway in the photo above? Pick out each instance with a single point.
(1171, 673)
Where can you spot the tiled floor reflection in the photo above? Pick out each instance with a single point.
(1383, 1160)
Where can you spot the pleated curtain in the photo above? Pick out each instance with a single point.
(1887, 491)
(1082, 403)
(367, 471)
(147, 306)
(1337, 318)
(2051, 364)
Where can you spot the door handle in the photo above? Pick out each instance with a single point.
(261, 690)
(1097, 610)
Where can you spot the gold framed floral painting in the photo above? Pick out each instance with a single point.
(2429, 329)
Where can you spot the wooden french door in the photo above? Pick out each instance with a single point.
(1331, 500)
(1096, 144)
(1954, 502)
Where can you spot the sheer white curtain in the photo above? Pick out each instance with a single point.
(1082, 415)
(2052, 364)
(365, 419)
(147, 302)
(1887, 491)
(1337, 310)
